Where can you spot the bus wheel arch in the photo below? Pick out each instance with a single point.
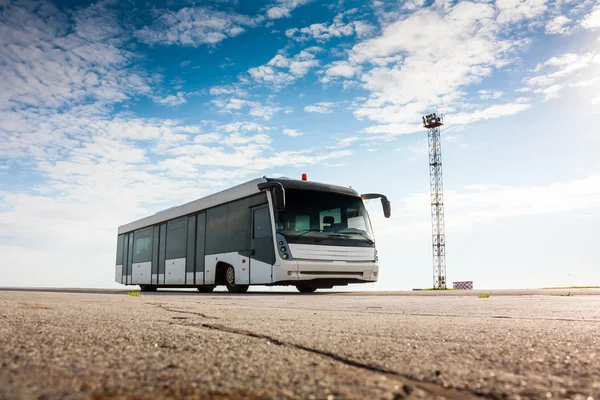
(225, 275)
(220, 270)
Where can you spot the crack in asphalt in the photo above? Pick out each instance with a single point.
(426, 386)
(429, 387)
(159, 305)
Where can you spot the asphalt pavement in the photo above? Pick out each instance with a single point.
(62, 344)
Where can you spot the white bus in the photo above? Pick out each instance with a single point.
(268, 231)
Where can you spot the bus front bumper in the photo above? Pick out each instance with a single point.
(304, 270)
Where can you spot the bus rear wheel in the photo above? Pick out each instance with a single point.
(148, 288)
(230, 282)
(306, 288)
(206, 288)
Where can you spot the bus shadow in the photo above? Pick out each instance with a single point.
(164, 292)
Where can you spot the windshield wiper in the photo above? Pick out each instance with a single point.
(369, 240)
(310, 230)
(344, 236)
(359, 232)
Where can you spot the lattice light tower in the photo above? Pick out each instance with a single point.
(432, 122)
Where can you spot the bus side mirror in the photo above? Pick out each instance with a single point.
(277, 192)
(387, 207)
(385, 203)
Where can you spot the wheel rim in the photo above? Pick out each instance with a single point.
(230, 276)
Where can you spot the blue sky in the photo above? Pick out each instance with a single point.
(111, 111)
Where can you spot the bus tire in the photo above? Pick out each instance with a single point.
(148, 288)
(206, 288)
(306, 288)
(230, 282)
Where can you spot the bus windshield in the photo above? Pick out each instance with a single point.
(324, 218)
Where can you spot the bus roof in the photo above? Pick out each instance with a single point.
(236, 192)
(317, 186)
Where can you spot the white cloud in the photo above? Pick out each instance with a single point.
(255, 108)
(422, 60)
(244, 127)
(171, 100)
(235, 139)
(558, 26)
(340, 69)
(517, 10)
(194, 27)
(250, 154)
(550, 92)
(88, 159)
(478, 204)
(586, 82)
(207, 138)
(489, 94)
(234, 90)
(283, 8)
(281, 71)
(324, 107)
(391, 130)
(292, 132)
(51, 59)
(338, 28)
(565, 65)
(343, 69)
(263, 111)
(269, 75)
(347, 141)
(492, 112)
(592, 20)
(413, 4)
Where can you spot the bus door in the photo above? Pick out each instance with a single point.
(262, 252)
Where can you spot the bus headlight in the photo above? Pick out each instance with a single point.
(283, 248)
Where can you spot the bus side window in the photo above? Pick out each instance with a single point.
(262, 223)
(176, 238)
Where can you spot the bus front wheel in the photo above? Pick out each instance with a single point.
(230, 282)
(306, 288)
